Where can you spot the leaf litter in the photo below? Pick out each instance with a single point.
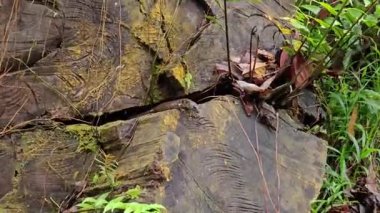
(269, 80)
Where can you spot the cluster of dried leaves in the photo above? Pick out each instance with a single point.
(267, 76)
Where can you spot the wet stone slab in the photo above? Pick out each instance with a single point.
(214, 160)
(72, 57)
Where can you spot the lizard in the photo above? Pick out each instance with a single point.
(181, 104)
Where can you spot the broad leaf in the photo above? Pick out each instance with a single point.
(328, 7)
(299, 25)
(312, 8)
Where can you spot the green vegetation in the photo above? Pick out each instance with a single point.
(125, 202)
(85, 135)
(341, 39)
(107, 165)
(119, 203)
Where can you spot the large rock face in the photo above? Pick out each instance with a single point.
(67, 58)
(214, 160)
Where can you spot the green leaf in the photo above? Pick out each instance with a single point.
(312, 8)
(338, 31)
(370, 20)
(95, 179)
(377, 11)
(367, 152)
(89, 200)
(103, 196)
(299, 25)
(352, 14)
(332, 20)
(328, 7)
(101, 201)
(188, 80)
(134, 193)
(322, 23)
(367, 3)
(357, 148)
(115, 204)
(85, 206)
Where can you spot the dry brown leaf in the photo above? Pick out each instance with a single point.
(220, 68)
(284, 58)
(260, 68)
(371, 180)
(223, 68)
(252, 88)
(235, 59)
(352, 122)
(300, 71)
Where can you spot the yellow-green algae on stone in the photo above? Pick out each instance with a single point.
(85, 135)
(150, 32)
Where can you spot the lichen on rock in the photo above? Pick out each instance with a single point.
(85, 135)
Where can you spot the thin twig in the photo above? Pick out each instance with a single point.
(277, 172)
(253, 33)
(255, 151)
(227, 39)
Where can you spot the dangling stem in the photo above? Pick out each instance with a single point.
(227, 39)
(253, 32)
(256, 53)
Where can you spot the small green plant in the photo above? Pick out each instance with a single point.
(188, 80)
(119, 203)
(107, 166)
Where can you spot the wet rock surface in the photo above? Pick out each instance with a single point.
(86, 57)
(213, 160)
(68, 58)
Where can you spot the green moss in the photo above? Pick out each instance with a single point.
(85, 135)
(154, 93)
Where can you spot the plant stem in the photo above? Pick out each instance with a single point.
(253, 32)
(227, 39)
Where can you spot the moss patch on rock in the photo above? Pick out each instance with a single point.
(85, 135)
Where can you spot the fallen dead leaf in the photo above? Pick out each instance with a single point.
(371, 181)
(222, 68)
(260, 69)
(284, 59)
(235, 59)
(252, 88)
(300, 71)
